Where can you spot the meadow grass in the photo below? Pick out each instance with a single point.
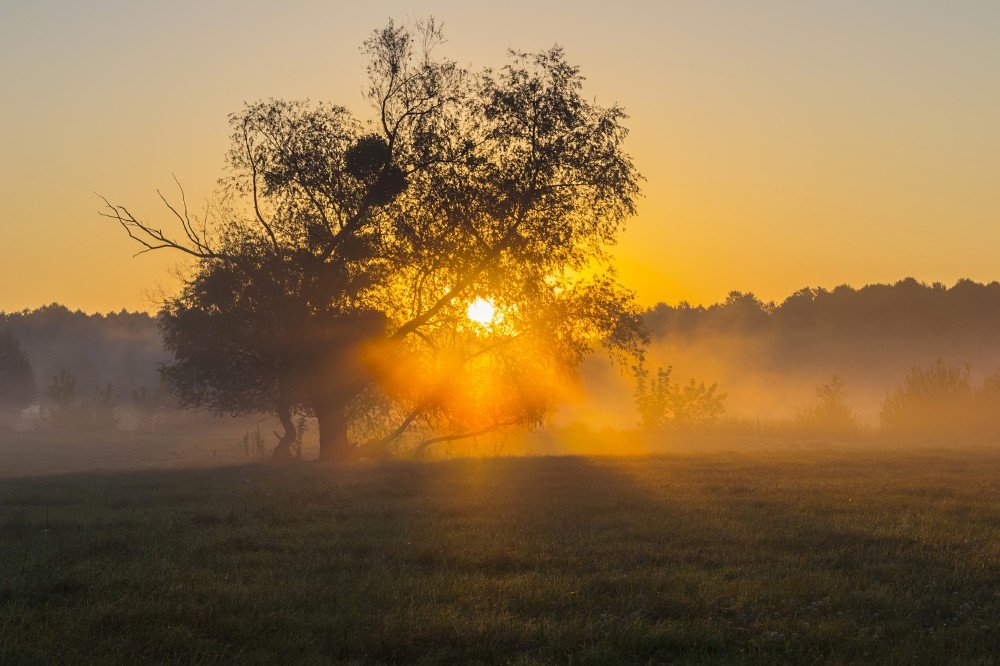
(794, 556)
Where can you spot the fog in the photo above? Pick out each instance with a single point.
(766, 358)
(769, 358)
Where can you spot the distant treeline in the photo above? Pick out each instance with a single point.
(908, 309)
(121, 349)
(68, 370)
(768, 355)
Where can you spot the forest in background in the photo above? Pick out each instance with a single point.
(118, 348)
(779, 361)
(766, 357)
(770, 356)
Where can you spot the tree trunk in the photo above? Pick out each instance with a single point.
(283, 451)
(334, 447)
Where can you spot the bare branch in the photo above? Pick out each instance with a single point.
(185, 222)
(256, 204)
(375, 447)
(496, 345)
(152, 238)
(378, 446)
(425, 444)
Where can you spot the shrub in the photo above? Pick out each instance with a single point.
(933, 401)
(663, 403)
(831, 416)
(98, 412)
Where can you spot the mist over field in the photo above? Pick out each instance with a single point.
(767, 358)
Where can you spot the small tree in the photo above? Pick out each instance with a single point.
(696, 404)
(653, 397)
(101, 410)
(66, 412)
(664, 403)
(988, 405)
(17, 379)
(831, 415)
(63, 412)
(150, 407)
(932, 400)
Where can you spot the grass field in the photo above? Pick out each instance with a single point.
(40, 452)
(838, 555)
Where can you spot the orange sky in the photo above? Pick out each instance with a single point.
(785, 144)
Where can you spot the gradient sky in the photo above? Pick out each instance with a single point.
(785, 144)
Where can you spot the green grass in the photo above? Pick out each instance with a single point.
(768, 557)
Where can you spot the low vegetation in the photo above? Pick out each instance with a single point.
(840, 555)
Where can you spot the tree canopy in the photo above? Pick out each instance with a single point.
(335, 273)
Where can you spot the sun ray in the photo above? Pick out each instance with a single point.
(482, 311)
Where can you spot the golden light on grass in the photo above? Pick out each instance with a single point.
(482, 311)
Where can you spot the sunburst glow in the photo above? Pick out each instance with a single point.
(482, 311)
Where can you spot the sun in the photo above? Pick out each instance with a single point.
(482, 311)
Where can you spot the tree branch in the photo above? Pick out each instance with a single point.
(377, 446)
(463, 284)
(152, 238)
(256, 204)
(427, 443)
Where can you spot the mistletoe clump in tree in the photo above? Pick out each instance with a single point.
(345, 272)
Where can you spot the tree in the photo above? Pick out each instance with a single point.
(64, 411)
(933, 400)
(653, 397)
(832, 415)
(662, 402)
(101, 411)
(336, 275)
(929, 400)
(696, 405)
(150, 407)
(17, 379)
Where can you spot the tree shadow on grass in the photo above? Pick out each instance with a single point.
(552, 559)
(681, 558)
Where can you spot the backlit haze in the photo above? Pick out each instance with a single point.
(784, 144)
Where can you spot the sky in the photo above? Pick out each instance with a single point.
(784, 144)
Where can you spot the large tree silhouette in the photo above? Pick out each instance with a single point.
(335, 274)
